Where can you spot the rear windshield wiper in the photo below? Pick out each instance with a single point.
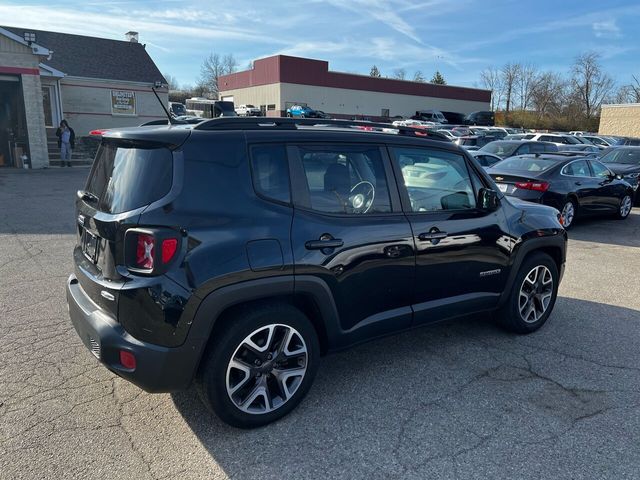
(85, 195)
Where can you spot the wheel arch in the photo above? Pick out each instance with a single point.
(310, 295)
(552, 245)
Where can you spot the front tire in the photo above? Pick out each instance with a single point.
(260, 365)
(624, 209)
(568, 213)
(533, 295)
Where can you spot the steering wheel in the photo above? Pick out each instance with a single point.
(361, 197)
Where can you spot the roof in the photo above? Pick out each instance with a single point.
(93, 57)
(307, 71)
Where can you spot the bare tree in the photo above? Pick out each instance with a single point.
(172, 81)
(213, 67)
(510, 77)
(418, 77)
(590, 84)
(548, 94)
(525, 82)
(491, 79)
(400, 73)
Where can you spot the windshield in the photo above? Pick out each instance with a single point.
(529, 164)
(125, 178)
(626, 156)
(178, 109)
(501, 149)
(250, 106)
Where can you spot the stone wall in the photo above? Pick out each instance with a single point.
(32, 93)
(622, 120)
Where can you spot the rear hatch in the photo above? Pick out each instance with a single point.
(127, 176)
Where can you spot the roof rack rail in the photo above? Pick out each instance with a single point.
(256, 123)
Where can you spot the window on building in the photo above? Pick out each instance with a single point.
(271, 106)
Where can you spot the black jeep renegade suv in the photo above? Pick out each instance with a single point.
(234, 253)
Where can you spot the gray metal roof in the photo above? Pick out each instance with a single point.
(92, 57)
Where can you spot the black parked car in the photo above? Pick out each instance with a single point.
(454, 118)
(235, 252)
(573, 185)
(512, 148)
(482, 118)
(625, 161)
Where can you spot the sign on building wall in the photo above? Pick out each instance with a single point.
(123, 102)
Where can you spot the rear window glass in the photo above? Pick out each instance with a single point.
(533, 164)
(501, 149)
(125, 178)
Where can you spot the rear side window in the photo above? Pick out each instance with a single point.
(270, 172)
(126, 178)
(579, 168)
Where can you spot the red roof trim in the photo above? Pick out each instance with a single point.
(305, 71)
(19, 70)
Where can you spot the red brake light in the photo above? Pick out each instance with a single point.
(144, 251)
(98, 132)
(537, 186)
(127, 359)
(169, 248)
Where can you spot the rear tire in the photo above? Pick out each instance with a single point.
(569, 212)
(268, 352)
(533, 295)
(625, 206)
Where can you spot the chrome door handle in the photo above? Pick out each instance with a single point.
(433, 236)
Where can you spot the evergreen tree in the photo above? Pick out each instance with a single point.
(374, 72)
(438, 79)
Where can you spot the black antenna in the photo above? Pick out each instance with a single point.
(172, 121)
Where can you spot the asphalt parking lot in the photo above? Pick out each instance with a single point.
(458, 400)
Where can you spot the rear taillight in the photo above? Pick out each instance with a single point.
(145, 249)
(150, 250)
(169, 248)
(537, 186)
(98, 132)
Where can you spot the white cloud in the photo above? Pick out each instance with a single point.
(606, 29)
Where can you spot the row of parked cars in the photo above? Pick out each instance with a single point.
(562, 171)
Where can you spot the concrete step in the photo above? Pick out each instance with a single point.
(75, 162)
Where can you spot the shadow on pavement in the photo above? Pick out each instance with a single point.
(439, 400)
(40, 201)
(609, 230)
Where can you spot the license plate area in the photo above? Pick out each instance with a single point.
(90, 244)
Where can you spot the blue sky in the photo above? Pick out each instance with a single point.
(458, 37)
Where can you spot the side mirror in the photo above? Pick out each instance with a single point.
(488, 199)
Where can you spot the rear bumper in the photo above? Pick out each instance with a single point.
(158, 369)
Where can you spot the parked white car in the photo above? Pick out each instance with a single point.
(248, 111)
(557, 138)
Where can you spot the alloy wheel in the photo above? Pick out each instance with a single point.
(535, 294)
(625, 206)
(266, 369)
(568, 214)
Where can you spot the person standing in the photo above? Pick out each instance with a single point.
(66, 142)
